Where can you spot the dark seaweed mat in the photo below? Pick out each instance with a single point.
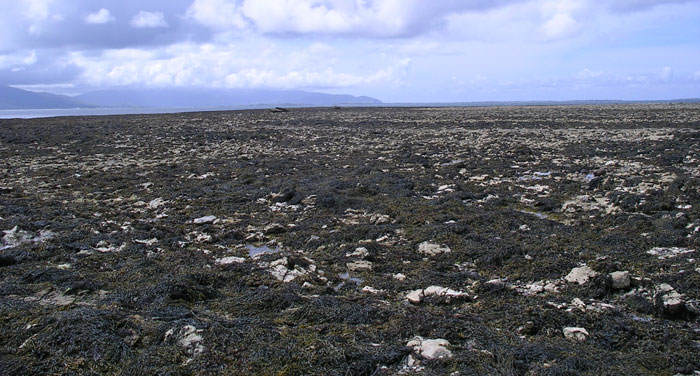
(252, 324)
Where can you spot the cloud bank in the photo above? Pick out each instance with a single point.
(393, 49)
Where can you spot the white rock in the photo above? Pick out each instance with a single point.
(551, 287)
(361, 252)
(576, 334)
(416, 296)
(399, 277)
(156, 203)
(672, 301)
(229, 260)
(281, 272)
(205, 219)
(663, 253)
(430, 348)
(580, 275)
(620, 279)
(105, 247)
(146, 241)
(359, 265)
(15, 237)
(496, 282)
(371, 290)
(432, 249)
(578, 303)
(379, 219)
(187, 337)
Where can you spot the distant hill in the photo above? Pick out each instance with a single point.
(14, 99)
(212, 98)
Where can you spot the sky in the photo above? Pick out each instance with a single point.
(393, 50)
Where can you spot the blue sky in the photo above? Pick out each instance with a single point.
(394, 50)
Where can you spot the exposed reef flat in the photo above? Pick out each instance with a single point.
(557, 240)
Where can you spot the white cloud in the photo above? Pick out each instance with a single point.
(37, 12)
(559, 26)
(666, 74)
(218, 14)
(146, 19)
(587, 74)
(18, 59)
(232, 66)
(377, 18)
(102, 16)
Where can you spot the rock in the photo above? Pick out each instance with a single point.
(280, 269)
(529, 328)
(359, 265)
(575, 334)
(229, 260)
(496, 283)
(360, 252)
(430, 348)
(50, 297)
(274, 228)
(205, 219)
(399, 277)
(663, 253)
(155, 203)
(671, 301)
(15, 236)
(146, 241)
(580, 275)
(417, 296)
(620, 279)
(307, 285)
(432, 249)
(187, 337)
(105, 247)
(378, 219)
(371, 290)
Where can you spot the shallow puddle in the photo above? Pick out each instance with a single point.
(254, 250)
(536, 214)
(346, 277)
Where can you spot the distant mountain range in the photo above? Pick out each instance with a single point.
(12, 98)
(210, 98)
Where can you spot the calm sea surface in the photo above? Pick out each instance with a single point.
(28, 114)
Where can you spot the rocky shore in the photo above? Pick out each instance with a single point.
(560, 240)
